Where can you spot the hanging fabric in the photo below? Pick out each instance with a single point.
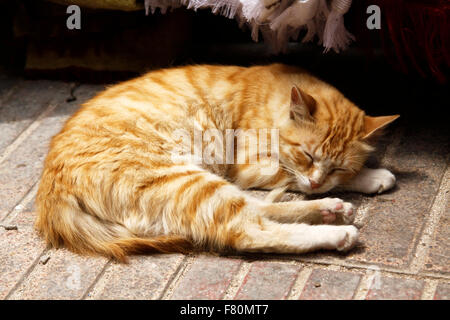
(279, 21)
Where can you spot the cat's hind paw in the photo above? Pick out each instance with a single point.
(346, 238)
(333, 209)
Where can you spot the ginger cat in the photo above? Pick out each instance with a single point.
(110, 184)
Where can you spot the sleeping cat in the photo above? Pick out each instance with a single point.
(110, 184)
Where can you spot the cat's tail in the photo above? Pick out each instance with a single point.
(87, 234)
(121, 248)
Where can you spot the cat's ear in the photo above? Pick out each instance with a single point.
(303, 106)
(373, 126)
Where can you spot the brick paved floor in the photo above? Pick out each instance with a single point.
(404, 251)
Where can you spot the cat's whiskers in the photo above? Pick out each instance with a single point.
(289, 170)
(297, 175)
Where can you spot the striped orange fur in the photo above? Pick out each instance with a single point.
(109, 185)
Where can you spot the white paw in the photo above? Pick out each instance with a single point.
(335, 208)
(374, 180)
(346, 238)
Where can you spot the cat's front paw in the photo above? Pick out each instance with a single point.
(333, 209)
(373, 181)
(379, 180)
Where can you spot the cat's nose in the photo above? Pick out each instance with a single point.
(314, 185)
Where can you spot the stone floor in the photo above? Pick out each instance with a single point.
(404, 250)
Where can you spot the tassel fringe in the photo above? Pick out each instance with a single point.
(278, 21)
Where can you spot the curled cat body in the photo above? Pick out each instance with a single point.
(111, 186)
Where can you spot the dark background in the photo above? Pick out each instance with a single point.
(116, 45)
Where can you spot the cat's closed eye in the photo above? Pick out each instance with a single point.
(335, 170)
(309, 156)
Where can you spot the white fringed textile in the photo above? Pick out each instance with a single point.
(335, 35)
(277, 20)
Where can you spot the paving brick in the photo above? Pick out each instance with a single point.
(24, 214)
(439, 255)
(268, 281)
(31, 206)
(23, 219)
(66, 275)
(387, 288)
(145, 277)
(395, 219)
(25, 104)
(442, 291)
(21, 170)
(207, 278)
(7, 87)
(330, 285)
(19, 249)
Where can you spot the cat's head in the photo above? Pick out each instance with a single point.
(326, 140)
